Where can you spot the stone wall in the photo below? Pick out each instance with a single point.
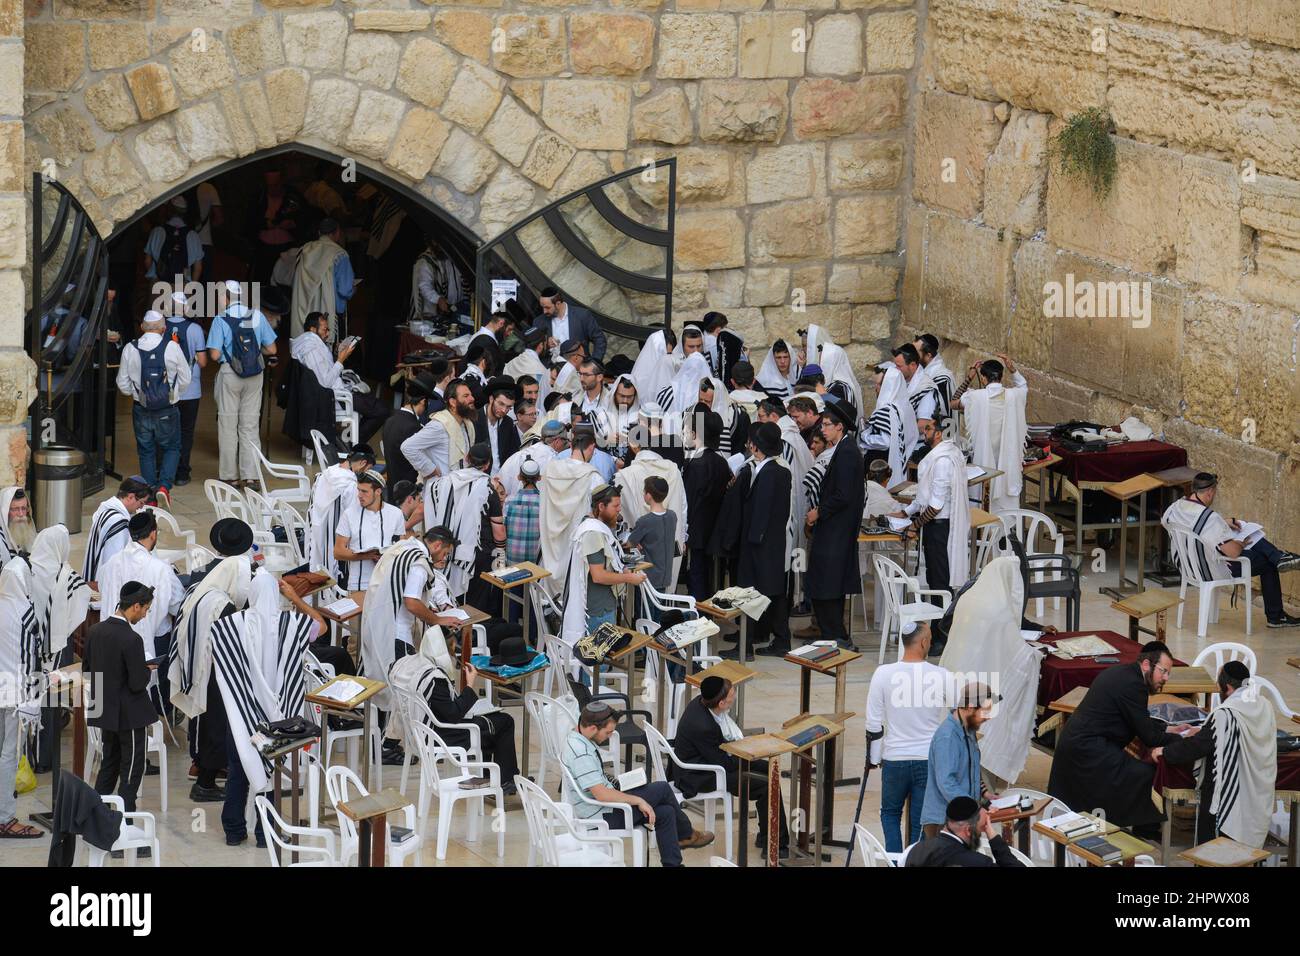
(1205, 97)
(17, 374)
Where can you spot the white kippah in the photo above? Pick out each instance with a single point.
(909, 627)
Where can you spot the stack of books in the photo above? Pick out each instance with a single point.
(816, 652)
(1099, 847)
(1072, 825)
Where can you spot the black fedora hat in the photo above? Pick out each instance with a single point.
(231, 537)
(842, 410)
(512, 652)
(504, 385)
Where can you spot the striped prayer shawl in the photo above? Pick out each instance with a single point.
(295, 633)
(921, 394)
(245, 708)
(384, 600)
(886, 421)
(1202, 558)
(45, 615)
(30, 650)
(108, 524)
(812, 482)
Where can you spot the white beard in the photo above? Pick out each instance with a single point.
(23, 534)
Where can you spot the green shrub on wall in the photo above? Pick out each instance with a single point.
(1084, 150)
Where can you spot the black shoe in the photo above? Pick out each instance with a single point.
(1286, 620)
(733, 653)
(775, 649)
(1290, 563)
(393, 757)
(1148, 831)
(207, 794)
(182, 482)
(150, 770)
(235, 840)
(846, 644)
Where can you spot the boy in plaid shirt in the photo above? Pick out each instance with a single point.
(523, 516)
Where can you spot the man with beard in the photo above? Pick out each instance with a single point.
(530, 364)
(335, 492)
(1091, 767)
(957, 844)
(109, 531)
(953, 761)
(439, 447)
(469, 503)
(17, 533)
(595, 568)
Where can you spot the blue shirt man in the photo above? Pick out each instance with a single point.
(220, 338)
(954, 758)
(154, 245)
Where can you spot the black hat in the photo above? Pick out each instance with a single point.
(512, 652)
(619, 365)
(231, 537)
(569, 346)
(134, 592)
(504, 385)
(961, 809)
(766, 438)
(711, 689)
(142, 524)
(401, 490)
(422, 386)
(532, 335)
(843, 411)
(437, 369)
(1204, 480)
(272, 299)
(479, 454)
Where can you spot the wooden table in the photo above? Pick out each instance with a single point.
(1190, 681)
(370, 813)
(1224, 852)
(835, 666)
(1292, 800)
(535, 573)
(342, 620)
(742, 649)
(465, 645)
(1143, 604)
(978, 519)
(1124, 492)
(1037, 468)
(292, 748)
(364, 701)
(1014, 818)
(986, 482)
(1129, 846)
(767, 747)
(802, 785)
(1107, 829)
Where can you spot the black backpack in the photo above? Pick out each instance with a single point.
(175, 258)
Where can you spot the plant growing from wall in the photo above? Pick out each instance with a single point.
(1083, 150)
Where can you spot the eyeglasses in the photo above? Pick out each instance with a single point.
(1161, 668)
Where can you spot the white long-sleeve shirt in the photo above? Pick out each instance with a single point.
(427, 450)
(310, 349)
(938, 488)
(128, 373)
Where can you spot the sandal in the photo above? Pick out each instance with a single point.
(13, 830)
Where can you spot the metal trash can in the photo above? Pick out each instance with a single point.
(58, 471)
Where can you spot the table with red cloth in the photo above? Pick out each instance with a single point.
(1180, 776)
(1057, 677)
(1118, 462)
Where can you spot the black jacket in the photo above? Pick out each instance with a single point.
(113, 659)
(508, 438)
(399, 427)
(765, 509)
(833, 551)
(944, 850)
(705, 479)
(582, 326)
(79, 811)
(699, 740)
(308, 405)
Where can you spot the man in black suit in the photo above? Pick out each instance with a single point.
(562, 322)
(408, 420)
(835, 522)
(494, 426)
(119, 706)
(705, 725)
(955, 844)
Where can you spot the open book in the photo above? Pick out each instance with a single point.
(1249, 534)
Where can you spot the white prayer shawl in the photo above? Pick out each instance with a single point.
(958, 510)
(59, 596)
(313, 282)
(191, 656)
(621, 419)
(1208, 529)
(575, 587)
(459, 501)
(918, 387)
(880, 501)
(984, 644)
(654, 367)
(770, 377)
(281, 641)
(799, 457)
(892, 400)
(683, 394)
(18, 627)
(566, 500)
(631, 482)
(679, 351)
(1245, 765)
(539, 452)
(529, 362)
(834, 363)
(335, 491)
(943, 380)
(567, 380)
(384, 599)
(7, 547)
(137, 563)
(109, 534)
(995, 421)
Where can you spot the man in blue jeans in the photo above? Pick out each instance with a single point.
(653, 805)
(954, 760)
(905, 706)
(155, 373)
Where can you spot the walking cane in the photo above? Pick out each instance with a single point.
(862, 794)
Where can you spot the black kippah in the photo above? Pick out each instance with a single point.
(142, 524)
(711, 688)
(133, 592)
(961, 809)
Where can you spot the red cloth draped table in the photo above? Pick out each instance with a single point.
(1056, 677)
(1118, 462)
(1180, 776)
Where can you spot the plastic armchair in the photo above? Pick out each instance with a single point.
(226, 500)
(168, 521)
(898, 610)
(628, 830)
(446, 787)
(139, 830)
(660, 749)
(301, 490)
(627, 733)
(1026, 525)
(552, 831)
(279, 836)
(871, 850)
(1213, 658)
(1190, 555)
(340, 783)
(1269, 688)
(345, 415)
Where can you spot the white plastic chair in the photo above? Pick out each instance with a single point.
(319, 442)
(870, 849)
(139, 830)
(898, 611)
(167, 521)
(551, 831)
(445, 785)
(1269, 688)
(345, 415)
(1042, 850)
(301, 490)
(535, 703)
(636, 834)
(294, 524)
(154, 744)
(1189, 552)
(226, 500)
(721, 861)
(661, 749)
(280, 834)
(1213, 658)
(340, 784)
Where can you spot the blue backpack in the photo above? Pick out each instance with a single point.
(244, 356)
(155, 390)
(179, 332)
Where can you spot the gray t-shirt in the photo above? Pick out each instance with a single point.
(655, 534)
(600, 597)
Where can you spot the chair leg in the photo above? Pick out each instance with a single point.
(1249, 605)
(1203, 611)
(726, 821)
(444, 825)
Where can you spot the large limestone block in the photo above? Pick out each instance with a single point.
(528, 46)
(12, 178)
(663, 118)
(866, 225)
(110, 172)
(709, 240)
(202, 132)
(465, 31)
(1270, 21)
(378, 116)
(1211, 240)
(511, 131)
(766, 286)
(1031, 331)
(1035, 56)
(1270, 390)
(1211, 362)
(465, 162)
(955, 136)
(506, 199)
(773, 44)
(696, 45)
(891, 42)
(258, 109)
(743, 111)
(200, 72)
(858, 282)
(871, 323)
(1276, 276)
(1136, 226)
(966, 283)
(315, 40)
(1271, 206)
(584, 169)
(825, 108)
(286, 92)
(547, 159)
(591, 114)
(255, 46)
(726, 288)
(114, 45)
(392, 21)
(836, 48)
(427, 71)
(913, 265)
(418, 142)
(330, 108)
(152, 89)
(371, 58)
(11, 81)
(809, 284)
(242, 138)
(785, 172)
(609, 43)
(473, 97)
(865, 164)
(1015, 177)
(17, 389)
(53, 55)
(109, 102)
(792, 230)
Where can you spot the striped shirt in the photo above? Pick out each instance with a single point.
(523, 526)
(582, 760)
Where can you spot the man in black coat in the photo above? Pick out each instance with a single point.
(573, 322)
(1090, 767)
(496, 730)
(955, 844)
(494, 426)
(114, 663)
(705, 479)
(764, 547)
(833, 526)
(408, 420)
(699, 740)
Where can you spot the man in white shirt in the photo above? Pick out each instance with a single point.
(592, 399)
(921, 391)
(439, 447)
(905, 705)
(311, 349)
(366, 528)
(155, 372)
(494, 426)
(939, 511)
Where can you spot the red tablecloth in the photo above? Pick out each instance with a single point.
(1056, 678)
(1118, 462)
(1180, 776)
